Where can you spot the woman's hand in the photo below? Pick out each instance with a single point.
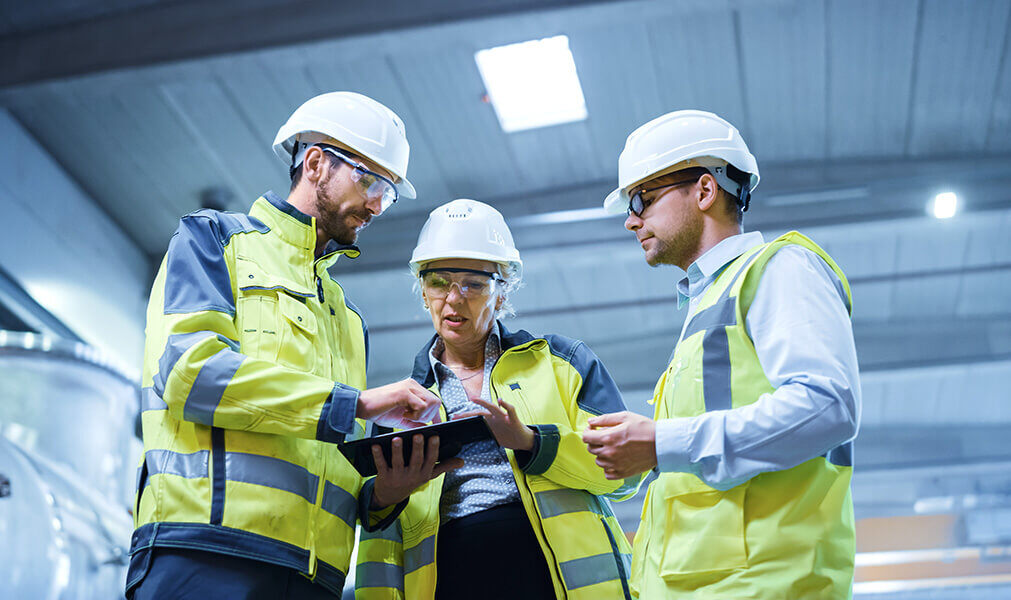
(505, 424)
(396, 481)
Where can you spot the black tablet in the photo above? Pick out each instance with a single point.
(452, 436)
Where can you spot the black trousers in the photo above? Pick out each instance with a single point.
(178, 574)
(491, 555)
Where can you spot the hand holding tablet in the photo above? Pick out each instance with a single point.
(452, 436)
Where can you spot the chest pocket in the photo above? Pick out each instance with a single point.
(274, 319)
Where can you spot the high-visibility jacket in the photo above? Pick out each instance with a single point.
(557, 384)
(253, 357)
(784, 534)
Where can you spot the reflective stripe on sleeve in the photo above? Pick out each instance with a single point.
(419, 555)
(589, 570)
(340, 503)
(150, 400)
(551, 503)
(209, 386)
(379, 575)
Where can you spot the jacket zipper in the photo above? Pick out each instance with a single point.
(526, 485)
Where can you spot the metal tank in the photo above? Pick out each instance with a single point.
(68, 456)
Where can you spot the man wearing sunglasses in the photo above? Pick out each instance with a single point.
(254, 370)
(756, 410)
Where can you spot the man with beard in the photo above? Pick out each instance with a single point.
(254, 368)
(757, 408)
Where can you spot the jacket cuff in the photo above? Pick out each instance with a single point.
(337, 419)
(542, 455)
(375, 520)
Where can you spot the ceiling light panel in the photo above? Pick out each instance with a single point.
(532, 84)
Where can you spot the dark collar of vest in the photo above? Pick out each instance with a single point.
(423, 373)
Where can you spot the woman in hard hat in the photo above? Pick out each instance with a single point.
(524, 517)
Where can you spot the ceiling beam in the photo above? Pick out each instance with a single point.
(791, 195)
(176, 31)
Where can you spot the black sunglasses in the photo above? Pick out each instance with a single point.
(636, 204)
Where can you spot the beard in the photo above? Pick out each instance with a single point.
(336, 220)
(680, 246)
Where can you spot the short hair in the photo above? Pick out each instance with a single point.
(731, 203)
(734, 207)
(296, 175)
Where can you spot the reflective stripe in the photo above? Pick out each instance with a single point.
(259, 470)
(841, 456)
(716, 370)
(340, 503)
(271, 472)
(589, 570)
(551, 503)
(175, 347)
(190, 466)
(209, 386)
(721, 314)
(420, 555)
(379, 574)
(391, 534)
(149, 400)
(716, 344)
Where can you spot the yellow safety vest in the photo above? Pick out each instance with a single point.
(559, 384)
(784, 534)
(251, 350)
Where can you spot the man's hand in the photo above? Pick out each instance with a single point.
(396, 481)
(624, 443)
(504, 423)
(401, 405)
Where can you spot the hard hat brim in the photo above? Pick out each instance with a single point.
(616, 202)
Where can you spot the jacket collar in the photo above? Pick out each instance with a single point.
(294, 226)
(425, 375)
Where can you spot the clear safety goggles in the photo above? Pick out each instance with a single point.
(472, 283)
(638, 203)
(372, 185)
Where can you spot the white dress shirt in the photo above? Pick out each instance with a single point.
(800, 326)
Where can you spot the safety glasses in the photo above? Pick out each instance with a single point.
(472, 283)
(637, 203)
(372, 185)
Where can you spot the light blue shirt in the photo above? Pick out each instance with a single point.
(801, 330)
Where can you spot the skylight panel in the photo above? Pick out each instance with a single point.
(532, 84)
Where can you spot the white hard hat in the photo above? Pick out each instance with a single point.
(357, 122)
(681, 140)
(466, 228)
